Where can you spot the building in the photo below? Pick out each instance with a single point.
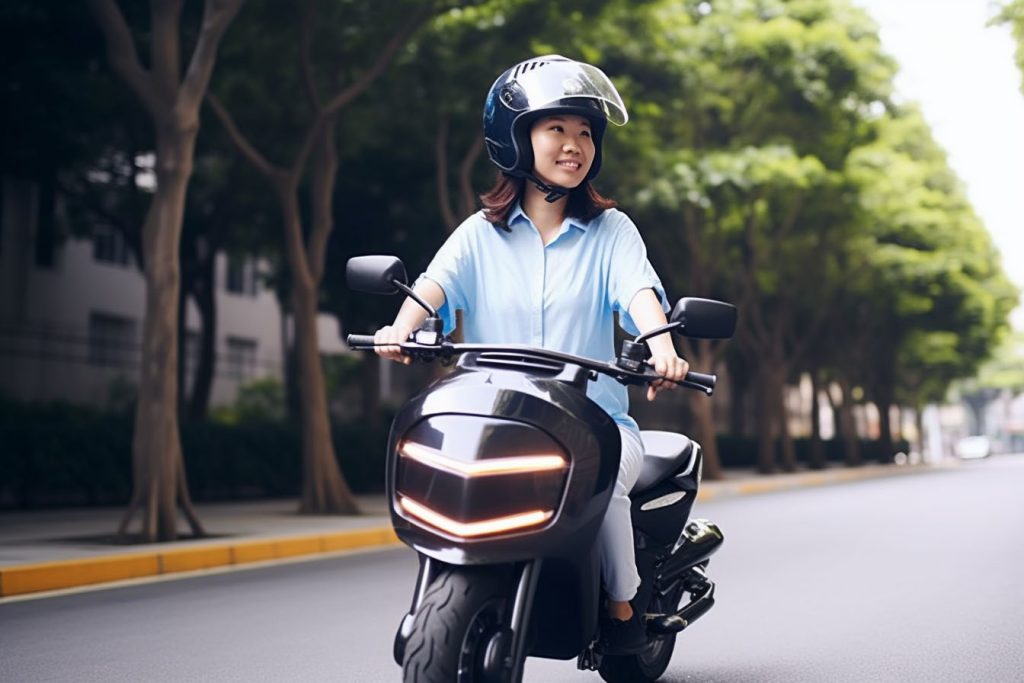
(71, 314)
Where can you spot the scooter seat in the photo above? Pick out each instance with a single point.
(664, 454)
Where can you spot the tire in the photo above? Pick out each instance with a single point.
(648, 665)
(461, 610)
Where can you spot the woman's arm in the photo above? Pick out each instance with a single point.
(410, 316)
(646, 311)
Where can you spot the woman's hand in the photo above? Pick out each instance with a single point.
(391, 335)
(667, 365)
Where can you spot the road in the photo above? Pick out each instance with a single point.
(910, 578)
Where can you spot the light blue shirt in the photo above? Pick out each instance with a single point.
(513, 289)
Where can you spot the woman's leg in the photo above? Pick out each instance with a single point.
(615, 538)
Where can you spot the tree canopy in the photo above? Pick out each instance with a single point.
(765, 163)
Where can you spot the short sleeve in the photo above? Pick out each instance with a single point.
(629, 271)
(452, 270)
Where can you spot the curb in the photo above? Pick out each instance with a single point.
(48, 576)
(23, 579)
(773, 483)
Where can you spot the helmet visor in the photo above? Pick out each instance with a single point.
(542, 83)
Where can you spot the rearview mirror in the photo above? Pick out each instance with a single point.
(704, 318)
(375, 274)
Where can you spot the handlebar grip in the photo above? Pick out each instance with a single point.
(702, 379)
(360, 341)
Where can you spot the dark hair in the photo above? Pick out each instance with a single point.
(584, 203)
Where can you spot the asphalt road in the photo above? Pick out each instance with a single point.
(911, 578)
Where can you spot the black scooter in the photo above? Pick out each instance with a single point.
(499, 476)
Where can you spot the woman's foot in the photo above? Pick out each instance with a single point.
(622, 631)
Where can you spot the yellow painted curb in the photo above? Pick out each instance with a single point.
(193, 559)
(359, 539)
(724, 488)
(45, 576)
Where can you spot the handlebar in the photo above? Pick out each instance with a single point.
(360, 341)
(694, 380)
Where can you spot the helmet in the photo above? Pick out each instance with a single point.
(541, 87)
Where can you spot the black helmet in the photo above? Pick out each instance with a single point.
(540, 87)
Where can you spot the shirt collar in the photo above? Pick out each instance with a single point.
(517, 214)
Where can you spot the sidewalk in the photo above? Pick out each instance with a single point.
(59, 549)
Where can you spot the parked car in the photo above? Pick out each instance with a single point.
(973, 447)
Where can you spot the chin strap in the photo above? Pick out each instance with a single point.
(554, 192)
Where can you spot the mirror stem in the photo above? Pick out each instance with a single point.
(656, 331)
(415, 297)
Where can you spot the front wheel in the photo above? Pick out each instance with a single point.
(462, 611)
(650, 664)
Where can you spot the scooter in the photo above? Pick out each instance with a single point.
(499, 475)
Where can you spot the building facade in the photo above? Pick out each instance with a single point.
(71, 314)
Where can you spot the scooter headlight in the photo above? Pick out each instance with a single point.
(469, 476)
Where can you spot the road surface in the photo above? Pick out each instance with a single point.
(911, 578)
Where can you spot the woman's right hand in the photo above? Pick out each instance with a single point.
(392, 336)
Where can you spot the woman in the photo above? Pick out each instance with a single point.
(549, 262)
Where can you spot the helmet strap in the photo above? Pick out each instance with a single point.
(554, 192)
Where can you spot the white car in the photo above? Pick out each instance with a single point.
(973, 447)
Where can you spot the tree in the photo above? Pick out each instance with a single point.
(1012, 12)
(750, 109)
(934, 301)
(172, 100)
(324, 488)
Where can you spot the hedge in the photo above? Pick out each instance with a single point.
(68, 456)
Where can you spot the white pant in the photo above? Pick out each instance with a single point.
(615, 538)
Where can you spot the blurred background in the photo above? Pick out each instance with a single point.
(182, 184)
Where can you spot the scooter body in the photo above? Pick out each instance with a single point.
(499, 406)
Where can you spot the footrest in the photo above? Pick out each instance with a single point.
(666, 624)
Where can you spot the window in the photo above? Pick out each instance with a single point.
(241, 358)
(108, 246)
(241, 276)
(112, 340)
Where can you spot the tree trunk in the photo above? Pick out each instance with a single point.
(701, 355)
(884, 429)
(919, 423)
(739, 383)
(324, 490)
(788, 449)
(763, 413)
(158, 468)
(817, 451)
(851, 445)
(704, 428)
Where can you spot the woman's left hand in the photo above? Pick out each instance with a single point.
(669, 366)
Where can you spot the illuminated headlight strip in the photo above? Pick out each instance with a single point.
(472, 529)
(482, 468)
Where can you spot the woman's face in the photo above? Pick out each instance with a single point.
(563, 149)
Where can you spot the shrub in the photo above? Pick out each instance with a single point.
(62, 455)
